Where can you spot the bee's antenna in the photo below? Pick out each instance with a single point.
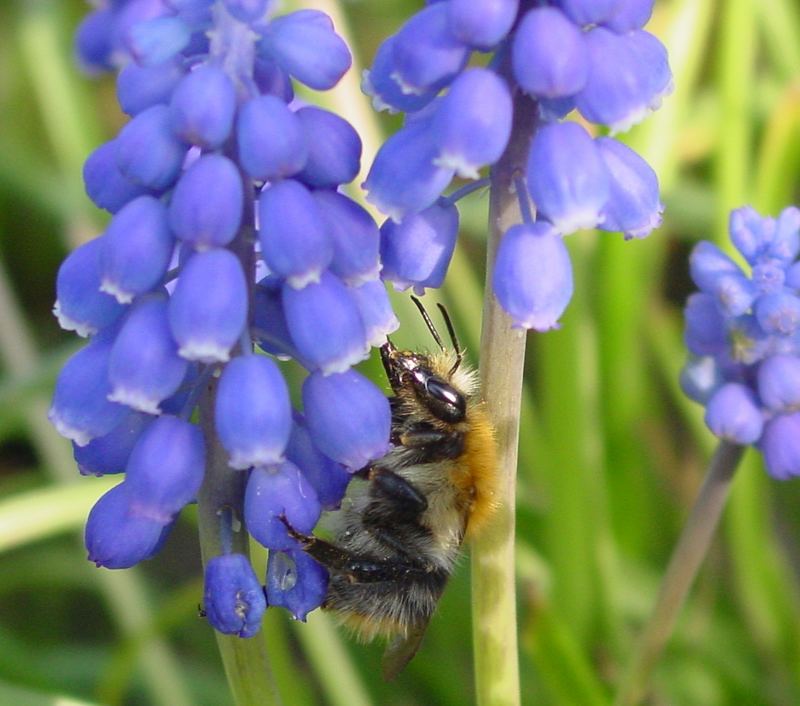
(452, 331)
(428, 322)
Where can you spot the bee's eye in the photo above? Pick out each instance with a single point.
(442, 399)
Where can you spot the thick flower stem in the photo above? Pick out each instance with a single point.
(686, 559)
(502, 354)
(245, 659)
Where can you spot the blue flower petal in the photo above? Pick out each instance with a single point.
(334, 148)
(109, 453)
(780, 445)
(532, 276)
(569, 198)
(359, 435)
(144, 367)
(417, 252)
(202, 107)
(732, 413)
(165, 468)
(275, 496)
(481, 23)
(206, 206)
(549, 58)
(233, 598)
(325, 324)
(208, 309)
(295, 582)
(253, 412)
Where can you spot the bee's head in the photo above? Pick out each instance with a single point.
(412, 372)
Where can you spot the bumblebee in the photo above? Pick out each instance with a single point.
(398, 537)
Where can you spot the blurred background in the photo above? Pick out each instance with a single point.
(611, 454)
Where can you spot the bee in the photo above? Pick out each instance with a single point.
(398, 538)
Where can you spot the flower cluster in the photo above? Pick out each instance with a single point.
(743, 334)
(227, 228)
(565, 55)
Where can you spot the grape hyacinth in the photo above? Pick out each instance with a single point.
(560, 56)
(743, 336)
(220, 174)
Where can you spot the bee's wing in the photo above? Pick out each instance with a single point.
(400, 651)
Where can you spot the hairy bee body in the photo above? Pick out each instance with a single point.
(398, 536)
(454, 475)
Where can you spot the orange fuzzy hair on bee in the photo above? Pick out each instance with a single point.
(478, 474)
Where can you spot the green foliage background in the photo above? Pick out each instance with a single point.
(611, 454)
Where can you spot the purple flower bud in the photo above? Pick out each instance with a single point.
(385, 92)
(532, 276)
(481, 23)
(295, 582)
(778, 313)
(626, 78)
(270, 137)
(80, 305)
(700, 378)
(548, 55)
(404, 178)
(246, 10)
(655, 74)
(206, 206)
(148, 153)
(154, 41)
(253, 413)
(334, 148)
(269, 323)
(785, 243)
(589, 12)
(81, 409)
(376, 311)
(208, 309)
(293, 233)
(793, 276)
(128, 15)
(93, 45)
(136, 249)
(325, 324)
(355, 236)
(118, 538)
(277, 494)
(779, 383)
(233, 599)
(633, 206)
(707, 263)
(472, 123)
(749, 232)
(567, 177)
(426, 55)
(780, 445)
(165, 468)
(202, 107)
(769, 276)
(357, 437)
(329, 479)
(705, 326)
(139, 87)
(105, 184)
(630, 15)
(144, 367)
(732, 413)
(272, 80)
(417, 251)
(305, 45)
(109, 453)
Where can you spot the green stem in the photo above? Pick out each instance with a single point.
(689, 553)
(502, 355)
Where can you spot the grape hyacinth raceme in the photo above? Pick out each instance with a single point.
(743, 336)
(217, 170)
(563, 55)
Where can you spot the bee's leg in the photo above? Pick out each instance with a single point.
(440, 444)
(357, 568)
